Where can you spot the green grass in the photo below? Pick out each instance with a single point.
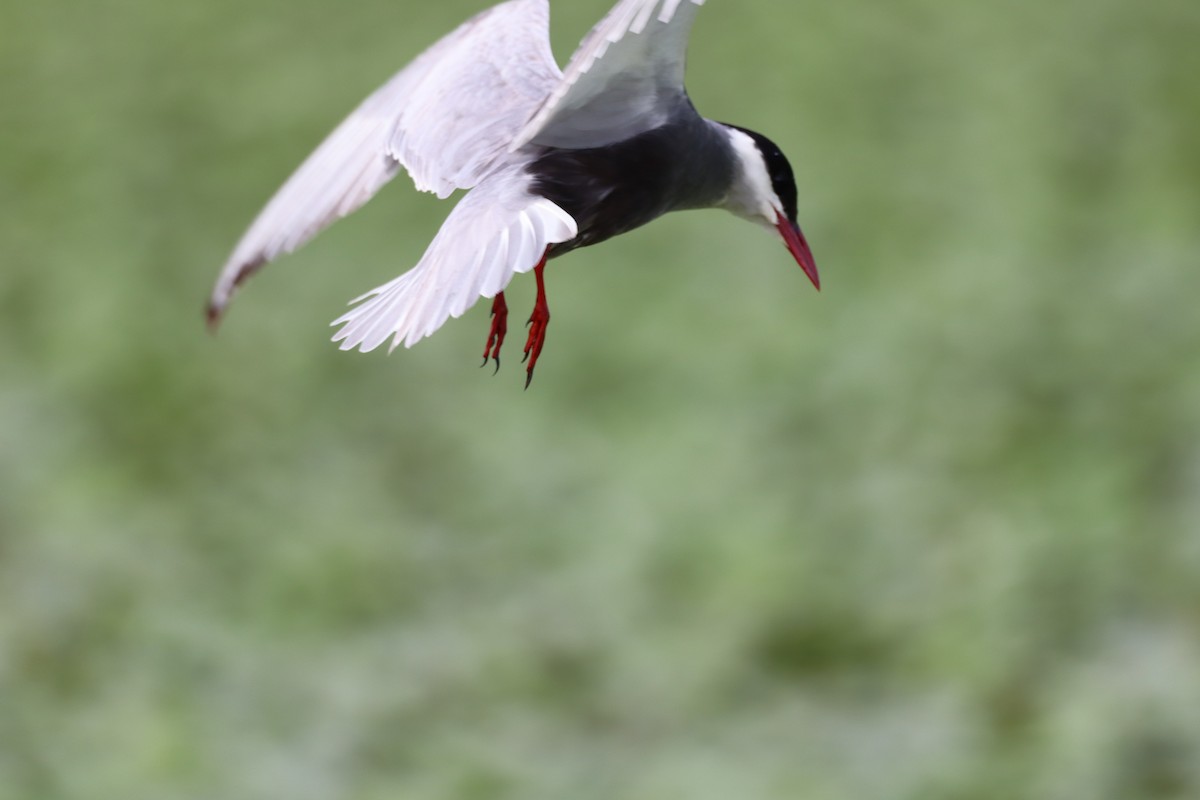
(932, 534)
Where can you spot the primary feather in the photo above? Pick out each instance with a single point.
(623, 79)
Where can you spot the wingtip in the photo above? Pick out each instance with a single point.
(227, 286)
(213, 312)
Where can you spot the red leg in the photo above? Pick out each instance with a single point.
(499, 328)
(537, 321)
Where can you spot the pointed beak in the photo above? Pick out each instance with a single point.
(796, 244)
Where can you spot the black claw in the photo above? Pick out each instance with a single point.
(484, 364)
(528, 378)
(497, 369)
(525, 357)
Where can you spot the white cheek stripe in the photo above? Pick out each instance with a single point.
(755, 171)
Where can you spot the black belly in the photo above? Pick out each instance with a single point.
(613, 189)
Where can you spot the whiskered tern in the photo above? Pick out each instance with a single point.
(553, 160)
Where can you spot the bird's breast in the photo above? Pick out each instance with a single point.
(613, 189)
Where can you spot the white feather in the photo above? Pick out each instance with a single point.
(621, 80)
(497, 230)
(448, 118)
(752, 195)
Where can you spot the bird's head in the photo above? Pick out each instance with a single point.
(764, 191)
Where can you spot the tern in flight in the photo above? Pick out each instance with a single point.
(552, 160)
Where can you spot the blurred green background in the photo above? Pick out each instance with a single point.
(933, 533)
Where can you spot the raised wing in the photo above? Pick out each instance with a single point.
(626, 78)
(497, 230)
(448, 118)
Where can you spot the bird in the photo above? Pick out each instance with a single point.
(551, 160)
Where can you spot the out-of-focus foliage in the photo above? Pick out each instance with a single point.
(933, 533)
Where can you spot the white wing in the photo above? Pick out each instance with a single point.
(448, 118)
(497, 230)
(625, 78)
